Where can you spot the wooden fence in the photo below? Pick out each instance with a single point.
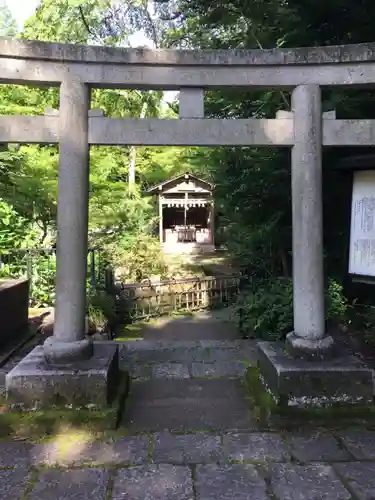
(142, 300)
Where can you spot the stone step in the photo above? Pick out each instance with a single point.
(151, 392)
(146, 359)
(144, 351)
(187, 405)
(219, 369)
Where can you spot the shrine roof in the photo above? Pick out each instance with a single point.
(187, 176)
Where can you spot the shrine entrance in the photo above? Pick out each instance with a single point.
(290, 371)
(186, 214)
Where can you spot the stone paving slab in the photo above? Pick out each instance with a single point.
(316, 447)
(189, 328)
(130, 450)
(196, 448)
(153, 392)
(237, 481)
(156, 482)
(310, 482)
(172, 466)
(187, 405)
(257, 447)
(360, 443)
(15, 454)
(13, 483)
(360, 478)
(186, 417)
(74, 484)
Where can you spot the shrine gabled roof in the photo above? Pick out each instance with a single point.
(157, 188)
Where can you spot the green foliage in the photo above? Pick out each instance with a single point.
(42, 279)
(40, 268)
(101, 309)
(266, 307)
(337, 304)
(8, 25)
(136, 257)
(121, 220)
(15, 231)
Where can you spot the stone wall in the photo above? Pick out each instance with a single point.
(14, 305)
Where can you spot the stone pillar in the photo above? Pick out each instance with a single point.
(191, 103)
(68, 342)
(309, 338)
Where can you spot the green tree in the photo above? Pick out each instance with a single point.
(8, 25)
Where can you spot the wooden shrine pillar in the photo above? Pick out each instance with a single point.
(161, 226)
(212, 222)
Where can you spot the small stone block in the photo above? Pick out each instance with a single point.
(311, 482)
(329, 115)
(360, 443)
(147, 371)
(305, 383)
(316, 447)
(228, 482)
(258, 447)
(360, 477)
(170, 370)
(156, 482)
(96, 113)
(34, 383)
(187, 449)
(51, 112)
(282, 114)
(74, 484)
(13, 483)
(227, 369)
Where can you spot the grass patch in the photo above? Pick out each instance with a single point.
(132, 331)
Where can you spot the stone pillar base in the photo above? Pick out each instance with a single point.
(302, 383)
(302, 348)
(62, 353)
(91, 383)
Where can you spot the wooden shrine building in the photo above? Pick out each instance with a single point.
(186, 214)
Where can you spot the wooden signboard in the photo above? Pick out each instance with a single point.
(362, 229)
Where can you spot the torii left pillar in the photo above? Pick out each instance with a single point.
(69, 370)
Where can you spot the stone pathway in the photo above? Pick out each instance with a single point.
(187, 385)
(187, 434)
(200, 465)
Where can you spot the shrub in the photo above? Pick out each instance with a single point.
(40, 268)
(266, 307)
(336, 303)
(137, 257)
(101, 309)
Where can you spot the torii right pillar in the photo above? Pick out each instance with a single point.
(309, 369)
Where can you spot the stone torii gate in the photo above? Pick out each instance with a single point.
(69, 368)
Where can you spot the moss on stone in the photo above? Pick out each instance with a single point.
(270, 413)
(36, 425)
